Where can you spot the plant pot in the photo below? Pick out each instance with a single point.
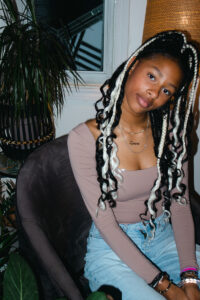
(18, 138)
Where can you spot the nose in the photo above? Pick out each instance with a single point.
(153, 92)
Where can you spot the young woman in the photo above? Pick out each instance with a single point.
(131, 165)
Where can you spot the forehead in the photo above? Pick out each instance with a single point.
(160, 59)
(163, 66)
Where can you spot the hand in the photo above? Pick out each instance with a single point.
(174, 292)
(192, 291)
(109, 297)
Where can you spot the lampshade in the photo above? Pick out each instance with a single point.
(181, 15)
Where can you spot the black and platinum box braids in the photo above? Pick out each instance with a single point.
(108, 173)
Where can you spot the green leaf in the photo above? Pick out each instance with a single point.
(6, 242)
(97, 296)
(19, 282)
(35, 65)
(30, 5)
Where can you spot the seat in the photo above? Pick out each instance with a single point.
(53, 222)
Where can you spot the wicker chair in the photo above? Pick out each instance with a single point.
(54, 222)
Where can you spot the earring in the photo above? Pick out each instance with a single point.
(133, 66)
(131, 70)
(172, 98)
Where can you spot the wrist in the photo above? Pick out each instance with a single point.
(189, 269)
(189, 274)
(158, 278)
(161, 283)
(163, 286)
(190, 282)
(189, 278)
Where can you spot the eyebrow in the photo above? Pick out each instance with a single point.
(156, 69)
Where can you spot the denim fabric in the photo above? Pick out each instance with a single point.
(103, 266)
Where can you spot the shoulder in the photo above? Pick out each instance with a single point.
(92, 125)
(81, 137)
(82, 148)
(86, 129)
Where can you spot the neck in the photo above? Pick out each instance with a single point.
(133, 122)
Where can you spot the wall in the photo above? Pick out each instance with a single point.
(127, 36)
(80, 105)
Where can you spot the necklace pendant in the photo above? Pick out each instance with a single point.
(134, 143)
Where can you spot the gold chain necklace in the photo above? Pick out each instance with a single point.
(135, 132)
(131, 142)
(134, 143)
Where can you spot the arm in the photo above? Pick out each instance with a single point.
(183, 226)
(81, 146)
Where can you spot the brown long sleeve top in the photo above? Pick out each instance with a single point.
(132, 193)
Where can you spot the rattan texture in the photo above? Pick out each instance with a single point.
(181, 15)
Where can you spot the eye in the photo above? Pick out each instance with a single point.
(151, 76)
(167, 92)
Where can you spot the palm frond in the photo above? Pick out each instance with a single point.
(35, 66)
(7, 198)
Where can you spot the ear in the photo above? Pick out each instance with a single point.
(135, 64)
(172, 98)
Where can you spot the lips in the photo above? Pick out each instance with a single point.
(143, 102)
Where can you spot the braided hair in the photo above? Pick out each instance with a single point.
(171, 145)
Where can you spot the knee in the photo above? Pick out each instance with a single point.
(112, 292)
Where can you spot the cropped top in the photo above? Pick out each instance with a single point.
(132, 193)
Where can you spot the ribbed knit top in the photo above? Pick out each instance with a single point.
(132, 193)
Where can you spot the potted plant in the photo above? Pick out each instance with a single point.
(19, 282)
(35, 70)
(8, 231)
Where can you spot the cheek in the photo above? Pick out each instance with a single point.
(131, 85)
(162, 101)
(128, 89)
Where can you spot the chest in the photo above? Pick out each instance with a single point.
(136, 152)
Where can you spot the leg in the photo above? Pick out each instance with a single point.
(112, 292)
(198, 256)
(103, 266)
(165, 254)
(109, 269)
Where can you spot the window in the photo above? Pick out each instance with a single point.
(110, 20)
(84, 20)
(123, 27)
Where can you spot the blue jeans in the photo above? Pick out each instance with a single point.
(103, 266)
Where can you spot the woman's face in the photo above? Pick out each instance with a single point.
(151, 83)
